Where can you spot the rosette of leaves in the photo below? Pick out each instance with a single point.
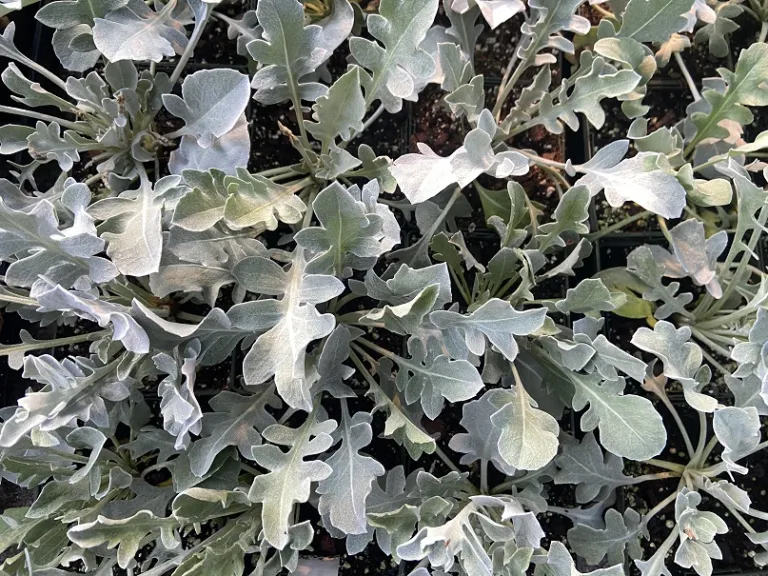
(346, 292)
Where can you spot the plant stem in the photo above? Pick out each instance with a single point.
(447, 461)
(696, 457)
(506, 89)
(666, 465)
(190, 47)
(763, 32)
(656, 476)
(461, 284)
(367, 124)
(679, 422)
(688, 79)
(383, 351)
(47, 118)
(619, 225)
(706, 451)
(483, 476)
(536, 159)
(659, 507)
(708, 341)
(6, 350)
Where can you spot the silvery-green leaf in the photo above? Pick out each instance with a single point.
(124, 327)
(454, 251)
(629, 425)
(235, 421)
(227, 153)
(343, 494)
(257, 201)
(132, 224)
(402, 423)
(570, 216)
(481, 440)
(203, 205)
(548, 19)
(458, 538)
(609, 358)
(68, 394)
(728, 493)
(290, 476)
(289, 51)
(13, 138)
(620, 532)
(697, 255)
(47, 143)
(211, 103)
(654, 20)
(468, 99)
(559, 563)
(398, 64)
(291, 323)
(589, 296)
(346, 237)
(404, 318)
(642, 263)
(423, 176)
(340, 112)
(575, 259)
(245, 29)
(376, 166)
(717, 33)
(136, 32)
(180, 409)
(697, 530)
(29, 93)
(495, 12)
(584, 97)
(435, 380)
(202, 262)
(126, 533)
(87, 438)
(41, 248)
(738, 430)
(405, 284)
(59, 494)
(681, 358)
(330, 364)
(454, 65)
(746, 87)
(495, 320)
(528, 439)
(218, 332)
(464, 27)
(638, 179)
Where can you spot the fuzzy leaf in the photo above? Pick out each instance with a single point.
(41, 248)
(585, 465)
(548, 19)
(180, 409)
(227, 153)
(638, 179)
(136, 32)
(654, 20)
(738, 430)
(528, 439)
(589, 296)
(398, 64)
(495, 320)
(126, 533)
(341, 111)
(481, 441)
(291, 323)
(132, 224)
(257, 201)
(211, 103)
(746, 87)
(346, 237)
(620, 532)
(560, 563)
(289, 51)
(290, 476)
(629, 425)
(343, 494)
(235, 421)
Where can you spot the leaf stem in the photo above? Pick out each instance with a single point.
(505, 89)
(6, 350)
(659, 507)
(699, 335)
(688, 79)
(763, 32)
(47, 118)
(665, 464)
(679, 422)
(190, 47)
